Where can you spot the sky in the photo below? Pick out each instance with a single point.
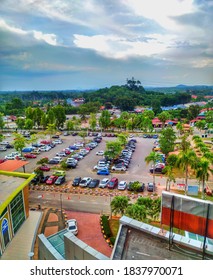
(74, 44)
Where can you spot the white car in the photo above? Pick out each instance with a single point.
(3, 148)
(59, 159)
(104, 183)
(100, 153)
(57, 141)
(85, 182)
(61, 154)
(101, 166)
(45, 148)
(122, 185)
(72, 226)
(118, 168)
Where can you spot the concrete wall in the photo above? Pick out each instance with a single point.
(75, 249)
(46, 250)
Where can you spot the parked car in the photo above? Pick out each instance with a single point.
(85, 182)
(53, 161)
(44, 168)
(61, 154)
(113, 183)
(55, 136)
(43, 179)
(156, 170)
(101, 166)
(71, 164)
(104, 171)
(45, 142)
(51, 180)
(45, 148)
(100, 153)
(122, 185)
(9, 146)
(76, 181)
(30, 156)
(57, 141)
(103, 183)
(2, 149)
(150, 187)
(60, 180)
(94, 183)
(72, 226)
(118, 168)
(59, 173)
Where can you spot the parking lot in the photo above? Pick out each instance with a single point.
(138, 170)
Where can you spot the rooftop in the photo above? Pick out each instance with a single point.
(140, 241)
(8, 184)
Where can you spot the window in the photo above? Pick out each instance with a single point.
(17, 211)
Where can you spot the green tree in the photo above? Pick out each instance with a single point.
(137, 212)
(104, 119)
(163, 117)
(122, 138)
(60, 116)
(83, 135)
(70, 125)
(51, 130)
(20, 122)
(113, 149)
(156, 108)
(50, 117)
(28, 124)
(203, 171)
(119, 204)
(92, 121)
(200, 124)
(44, 121)
(167, 140)
(19, 142)
(179, 127)
(1, 121)
(154, 158)
(186, 161)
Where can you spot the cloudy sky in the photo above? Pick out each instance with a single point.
(75, 44)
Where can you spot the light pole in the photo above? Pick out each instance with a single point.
(39, 206)
(61, 203)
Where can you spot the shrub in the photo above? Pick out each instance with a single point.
(106, 227)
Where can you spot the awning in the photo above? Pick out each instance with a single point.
(12, 165)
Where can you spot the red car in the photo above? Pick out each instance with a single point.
(30, 156)
(44, 168)
(51, 180)
(45, 142)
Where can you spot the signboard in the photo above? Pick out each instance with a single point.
(193, 190)
(4, 226)
(188, 213)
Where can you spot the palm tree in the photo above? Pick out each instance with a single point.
(137, 212)
(186, 159)
(169, 170)
(153, 157)
(203, 171)
(119, 204)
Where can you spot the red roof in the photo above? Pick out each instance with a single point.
(12, 165)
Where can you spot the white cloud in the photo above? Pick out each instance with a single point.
(50, 39)
(161, 11)
(121, 48)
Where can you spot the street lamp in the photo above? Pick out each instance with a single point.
(61, 203)
(39, 206)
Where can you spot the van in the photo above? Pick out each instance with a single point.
(113, 183)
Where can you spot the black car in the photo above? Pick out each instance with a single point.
(9, 146)
(55, 136)
(36, 180)
(71, 165)
(60, 180)
(53, 161)
(76, 181)
(156, 170)
(44, 179)
(94, 183)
